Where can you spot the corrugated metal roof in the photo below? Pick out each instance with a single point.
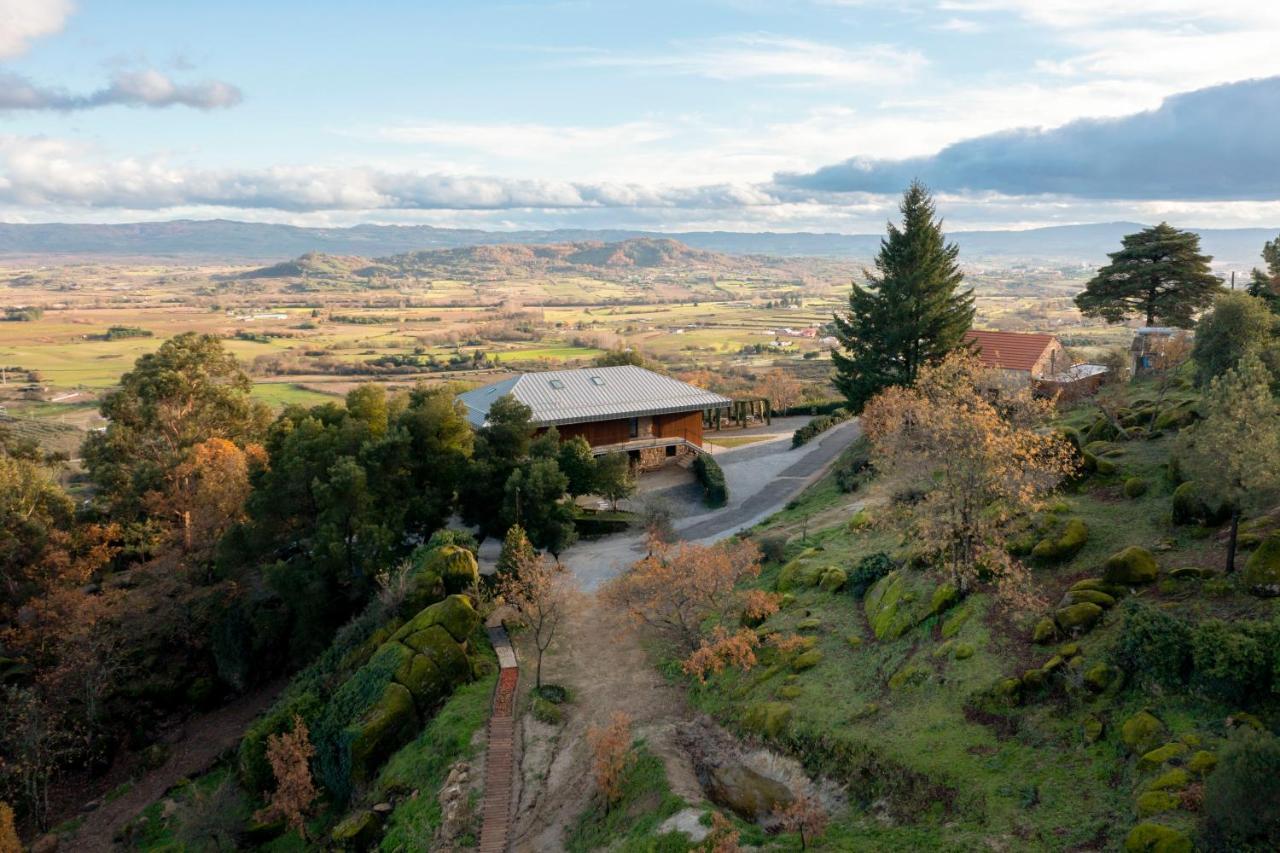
(1009, 350)
(592, 394)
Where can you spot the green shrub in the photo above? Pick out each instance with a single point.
(853, 468)
(1135, 487)
(715, 492)
(1229, 661)
(547, 712)
(817, 426)
(869, 570)
(1152, 644)
(773, 548)
(1242, 795)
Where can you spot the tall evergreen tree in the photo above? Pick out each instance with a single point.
(1266, 283)
(1158, 274)
(911, 311)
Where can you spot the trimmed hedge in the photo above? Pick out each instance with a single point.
(818, 425)
(590, 524)
(826, 407)
(715, 492)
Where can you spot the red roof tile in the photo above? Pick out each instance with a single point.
(1009, 350)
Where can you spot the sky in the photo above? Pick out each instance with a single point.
(747, 115)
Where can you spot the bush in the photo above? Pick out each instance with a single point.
(461, 538)
(1152, 644)
(1230, 661)
(817, 426)
(773, 548)
(591, 525)
(715, 492)
(1242, 795)
(869, 570)
(1135, 487)
(854, 466)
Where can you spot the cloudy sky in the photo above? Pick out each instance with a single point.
(662, 114)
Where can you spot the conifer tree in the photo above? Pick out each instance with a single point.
(1266, 283)
(1158, 274)
(911, 311)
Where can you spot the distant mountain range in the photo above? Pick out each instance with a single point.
(250, 241)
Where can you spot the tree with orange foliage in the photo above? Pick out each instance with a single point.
(980, 460)
(677, 588)
(611, 755)
(205, 494)
(723, 650)
(806, 817)
(759, 604)
(9, 842)
(723, 837)
(540, 592)
(289, 754)
(781, 389)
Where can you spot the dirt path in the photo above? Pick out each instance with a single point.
(206, 738)
(602, 662)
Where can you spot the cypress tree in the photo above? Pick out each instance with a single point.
(1158, 274)
(911, 311)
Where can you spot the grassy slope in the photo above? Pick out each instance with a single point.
(1037, 787)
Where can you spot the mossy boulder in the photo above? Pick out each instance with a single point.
(799, 572)
(1077, 618)
(1063, 544)
(1157, 838)
(388, 725)
(1135, 487)
(1155, 802)
(768, 719)
(1202, 763)
(964, 651)
(1191, 506)
(1262, 571)
(1130, 566)
(747, 793)
(1091, 729)
(1171, 780)
(1142, 732)
(455, 614)
(833, 579)
(953, 623)
(1045, 632)
(1176, 417)
(359, 831)
(896, 603)
(1093, 596)
(1099, 585)
(1094, 464)
(1099, 677)
(1162, 755)
(789, 691)
(438, 666)
(944, 596)
(807, 660)
(908, 676)
(812, 623)
(454, 565)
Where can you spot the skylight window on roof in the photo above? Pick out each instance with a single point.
(597, 380)
(557, 384)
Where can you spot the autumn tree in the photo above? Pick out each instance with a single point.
(611, 755)
(188, 391)
(979, 461)
(289, 754)
(540, 593)
(912, 311)
(1158, 274)
(1233, 454)
(516, 550)
(806, 817)
(677, 588)
(9, 841)
(721, 651)
(781, 389)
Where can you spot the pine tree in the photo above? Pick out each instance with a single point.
(911, 311)
(1266, 283)
(1158, 274)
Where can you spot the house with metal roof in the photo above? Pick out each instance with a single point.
(652, 417)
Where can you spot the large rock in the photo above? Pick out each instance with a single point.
(1142, 732)
(455, 566)
(455, 614)
(360, 831)
(768, 719)
(1077, 618)
(1262, 572)
(1156, 838)
(749, 794)
(1063, 545)
(387, 726)
(1190, 506)
(897, 602)
(1133, 565)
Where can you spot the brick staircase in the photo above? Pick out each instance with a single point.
(499, 765)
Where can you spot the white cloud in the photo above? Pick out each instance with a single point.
(148, 88)
(769, 56)
(23, 21)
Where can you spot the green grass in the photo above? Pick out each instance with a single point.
(628, 826)
(281, 394)
(552, 353)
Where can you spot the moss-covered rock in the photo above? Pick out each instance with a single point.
(964, 651)
(1142, 732)
(454, 565)
(807, 660)
(854, 641)
(1099, 677)
(1176, 417)
(1130, 566)
(953, 623)
(359, 831)
(1091, 729)
(1033, 679)
(811, 623)
(1156, 802)
(832, 579)
(1099, 585)
(747, 793)
(1156, 838)
(390, 723)
(1174, 779)
(799, 572)
(439, 665)
(889, 615)
(1094, 464)
(1045, 632)
(1064, 544)
(1135, 487)
(944, 596)
(1077, 618)
(1162, 755)
(1093, 596)
(908, 676)
(455, 614)
(1190, 506)
(1202, 763)
(1262, 571)
(789, 691)
(768, 719)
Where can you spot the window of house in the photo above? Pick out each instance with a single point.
(557, 384)
(597, 380)
(635, 427)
